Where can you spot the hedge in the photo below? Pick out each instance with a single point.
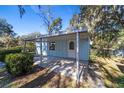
(4, 52)
(19, 63)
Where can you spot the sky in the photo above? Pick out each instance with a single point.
(31, 22)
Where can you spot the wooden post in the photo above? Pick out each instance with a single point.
(77, 58)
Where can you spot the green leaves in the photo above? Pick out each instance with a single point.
(104, 25)
(4, 52)
(6, 28)
(7, 34)
(18, 64)
(56, 25)
(31, 36)
(21, 10)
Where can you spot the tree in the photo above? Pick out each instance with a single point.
(6, 41)
(29, 46)
(47, 18)
(21, 10)
(31, 36)
(45, 13)
(6, 28)
(104, 24)
(120, 43)
(56, 25)
(74, 21)
(6, 34)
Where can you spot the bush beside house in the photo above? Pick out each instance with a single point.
(4, 52)
(19, 63)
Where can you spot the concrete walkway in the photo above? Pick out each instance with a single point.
(67, 67)
(64, 66)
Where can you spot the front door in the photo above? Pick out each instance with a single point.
(71, 49)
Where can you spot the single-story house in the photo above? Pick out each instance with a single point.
(74, 44)
(65, 44)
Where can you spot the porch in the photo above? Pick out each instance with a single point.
(88, 76)
(65, 47)
(63, 66)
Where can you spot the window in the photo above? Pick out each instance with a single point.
(71, 45)
(52, 46)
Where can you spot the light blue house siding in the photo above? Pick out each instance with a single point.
(84, 49)
(61, 49)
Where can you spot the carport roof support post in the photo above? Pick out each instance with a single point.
(77, 58)
(41, 51)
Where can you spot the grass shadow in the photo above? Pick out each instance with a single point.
(121, 68)
(39, 81)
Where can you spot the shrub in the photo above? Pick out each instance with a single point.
(120, 81)
(30, 47)
(4, 52)
(19, 63)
